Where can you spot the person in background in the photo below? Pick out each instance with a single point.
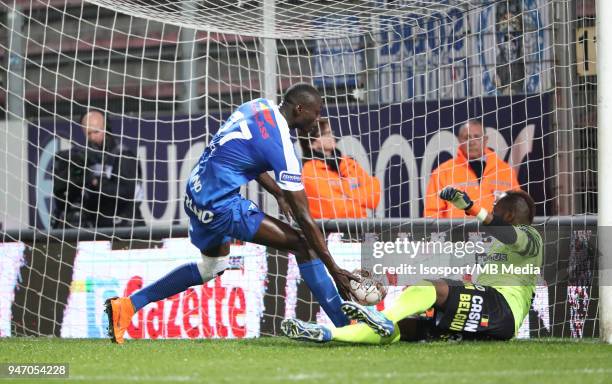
(476, 169)
(336, 185)
(97, 186)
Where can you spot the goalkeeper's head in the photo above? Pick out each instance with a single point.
(515, 207)
(301, 106)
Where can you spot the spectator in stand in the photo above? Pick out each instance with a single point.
(476, 170)
(98, 186)
(336, 185)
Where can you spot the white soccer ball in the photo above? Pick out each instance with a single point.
(369, 291)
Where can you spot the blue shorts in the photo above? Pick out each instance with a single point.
(238, 219)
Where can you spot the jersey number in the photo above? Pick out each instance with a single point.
(244, 133)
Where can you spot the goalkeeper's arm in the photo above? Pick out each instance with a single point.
(496, 225)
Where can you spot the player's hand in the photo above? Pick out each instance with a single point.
(458, 198)
(285, 208)
(343, 278)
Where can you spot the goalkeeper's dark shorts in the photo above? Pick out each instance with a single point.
(472, 312)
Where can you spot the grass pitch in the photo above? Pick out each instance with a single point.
(278, 360)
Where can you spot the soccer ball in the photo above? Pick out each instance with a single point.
(370, 291)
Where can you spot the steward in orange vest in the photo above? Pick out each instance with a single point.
(336, 185)
(476, 169)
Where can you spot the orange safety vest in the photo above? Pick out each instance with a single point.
(497, 177)
(344, 194)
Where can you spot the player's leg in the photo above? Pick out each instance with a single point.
(214, 261)
(300, 330)
(359, 333)
(417, 328)
(277, 234)
(413, 300)
(417, 299)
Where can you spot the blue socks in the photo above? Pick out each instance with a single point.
(322, 287)
(313, 272)
(177, 281)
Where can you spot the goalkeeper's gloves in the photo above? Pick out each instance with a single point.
(461, 200)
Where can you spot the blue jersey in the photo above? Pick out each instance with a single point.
(254, 139)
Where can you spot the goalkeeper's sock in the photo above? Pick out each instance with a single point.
(362, 334)
(415, 299)
(177, 281)
(322, 287)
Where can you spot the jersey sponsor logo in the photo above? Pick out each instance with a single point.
(495, 257)
(468, 314)
(203, 215)
(258, 110)
(290, 177)
(267, 114)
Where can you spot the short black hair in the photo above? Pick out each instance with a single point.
(519, 202)
(301, 93)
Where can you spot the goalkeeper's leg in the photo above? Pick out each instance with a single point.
(357, 333)
(413, 300)
(360, 333)
(417, 299)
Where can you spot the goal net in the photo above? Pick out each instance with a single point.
(87, 214)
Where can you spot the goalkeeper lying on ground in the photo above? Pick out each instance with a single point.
(493, 308)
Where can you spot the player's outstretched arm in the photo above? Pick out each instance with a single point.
(499, 228)
(299, 205)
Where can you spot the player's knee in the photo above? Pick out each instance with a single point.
(302, 252)
(211, 267)
(441, 287)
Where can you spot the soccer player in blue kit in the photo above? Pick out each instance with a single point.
(254, 140)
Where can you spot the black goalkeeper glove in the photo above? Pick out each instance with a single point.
(461, 200)
(458, 198)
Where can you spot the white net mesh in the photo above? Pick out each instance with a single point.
(290, 19)
(399, 79)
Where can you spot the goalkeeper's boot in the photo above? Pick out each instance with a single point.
(119, 311)
(300, 330)
(374, 319)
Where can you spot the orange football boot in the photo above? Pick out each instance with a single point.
(119, 311)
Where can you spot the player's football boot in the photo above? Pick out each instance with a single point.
(374, 319)
(300, 330)
(119, 311)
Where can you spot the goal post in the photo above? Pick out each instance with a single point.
(604, 174)
(398, 78)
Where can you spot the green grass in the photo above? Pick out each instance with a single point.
(277, 360)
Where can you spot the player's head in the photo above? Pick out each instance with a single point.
(94, 126)
(321, 139)
(515, 207)
(472, 139)
(302, 107)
